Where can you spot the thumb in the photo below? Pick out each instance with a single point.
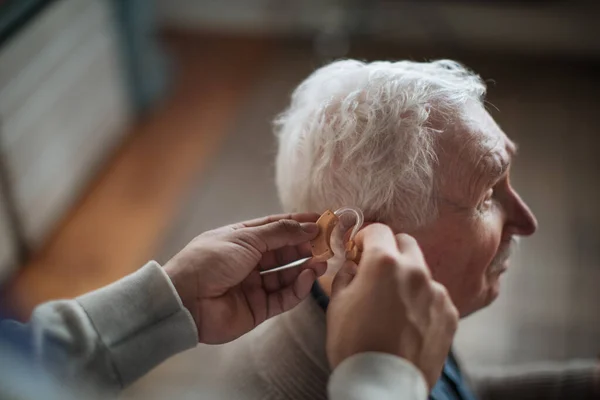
(343, 278)
(278, 234)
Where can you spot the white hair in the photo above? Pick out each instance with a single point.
(363, 134)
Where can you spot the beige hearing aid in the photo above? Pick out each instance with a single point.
(321, 245)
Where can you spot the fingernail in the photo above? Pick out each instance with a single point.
(310, 227)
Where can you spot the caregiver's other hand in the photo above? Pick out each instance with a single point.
(389, 303)
(217, 274)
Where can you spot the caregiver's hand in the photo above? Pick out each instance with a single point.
(217, 274)
(389, 303)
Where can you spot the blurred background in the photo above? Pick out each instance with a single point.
(128, 127)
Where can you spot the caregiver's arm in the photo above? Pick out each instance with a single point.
(109, 337)
(210, 292)
(389, 325)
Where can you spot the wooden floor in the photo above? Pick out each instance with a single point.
(119, 223)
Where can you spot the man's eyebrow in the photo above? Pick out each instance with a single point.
(505, 165)
(495, 166)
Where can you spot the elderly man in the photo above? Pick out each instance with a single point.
(412, 145)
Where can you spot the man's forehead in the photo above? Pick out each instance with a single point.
(475, 151)
(484, 133)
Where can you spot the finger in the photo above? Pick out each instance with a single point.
(290, 296)
(253, 287)
(343, 278)
(299, 217)
(275, 235)
(288, 276)
(271, 282)
(277, 280)
(268, 260)
(407, 245)
(410, 251)
(285, 255)
(376, 241)
(318, 267)
(348, 232)
(376, 236)
(277, 258)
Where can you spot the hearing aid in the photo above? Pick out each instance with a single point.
(321, 245)
(321, 248)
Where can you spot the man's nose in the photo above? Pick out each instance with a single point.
(521, 218)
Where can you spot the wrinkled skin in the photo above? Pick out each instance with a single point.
(467, 247)
(480, 215)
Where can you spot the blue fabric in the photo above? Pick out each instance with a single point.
(450, 386)
(17, 336)
(319, 295)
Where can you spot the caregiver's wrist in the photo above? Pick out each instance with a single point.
(185, 286)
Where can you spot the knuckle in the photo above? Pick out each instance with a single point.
(440, 290)
(406, 240)
(289, 225)
(415, 260)
(455, 314)
(375, 227)
(446, 306)
(385, 262)
(417, 277)
(387, 258)
(249, 239)
(381, 262)
(383, 256)
(453, 318)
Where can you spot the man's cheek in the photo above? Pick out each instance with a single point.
(486, 238)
